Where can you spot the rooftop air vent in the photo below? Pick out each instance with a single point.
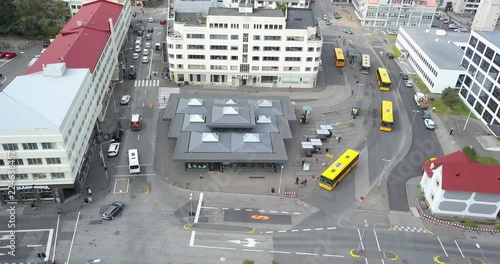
(251, 138)
(196, 118)
(210, 137)
(265, 103)
(195, 101)
(229, 110)
(263, 119)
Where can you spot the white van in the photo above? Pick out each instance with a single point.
(133, 161)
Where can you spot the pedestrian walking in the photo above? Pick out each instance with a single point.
(451, 132)
(297, 181)
(339, 138)
(317, 160)
(305, 182)
(433, 109)
(150, 77)
(290, 89)
(352, 92)
(303, 163)
(164, 98)
(89, 191)
(33, 205)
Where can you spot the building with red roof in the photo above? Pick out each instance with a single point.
(455, 185)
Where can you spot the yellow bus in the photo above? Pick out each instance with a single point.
(338, 57)
(365, 64)
(384, 82)
(386, 116)
(339, 169)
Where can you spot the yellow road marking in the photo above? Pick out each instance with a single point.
(354, 255)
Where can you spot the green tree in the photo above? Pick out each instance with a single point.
(469, 152)
(274, 262)
(282, 6)
(450, 97)
(35, 17)
(247, 261)
(7, 16)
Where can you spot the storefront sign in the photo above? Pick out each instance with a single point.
(26, 187)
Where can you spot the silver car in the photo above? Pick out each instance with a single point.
(145, 52)
(135, 56)
(113, 149)
(125, 100)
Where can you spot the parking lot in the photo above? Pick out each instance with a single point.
(10, 68)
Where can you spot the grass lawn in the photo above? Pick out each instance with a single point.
(486, 160)
(395, 51)
(420, 85)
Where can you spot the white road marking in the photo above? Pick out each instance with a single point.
(253, 250)
(73, 239)
(269, 232)
(237, 209)
(335, 256)
(318, 229)
(442, 246)
(200, 200)
(285, 212)
(215, 247)
(295, 230)
(307, 254)
(361, 240)
(262, 211)
(307, 229)
(133, 175)
(460, 250)
(279, 252)
(5, 237)
(208, 207)
(191, 241)
(249, 210)
(143, 103)
(274, 212)
(55, 240)
(282, 231)
(139, 137)
(331, 228)
(33, 246)
(225, 208)
(376, 239)
(296, 213)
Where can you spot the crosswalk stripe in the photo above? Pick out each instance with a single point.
(146, 83)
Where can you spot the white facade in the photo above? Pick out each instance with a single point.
(74, 5)
(435, 55)
(481, 87)
(455, 203)
(202, 6)
(487, 16)
(466, 6)
(396, 13)
(47, 134)
(256, 49)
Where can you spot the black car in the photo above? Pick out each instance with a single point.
(150, 30)
(113, 210)
(425, 114)
(140, 33)
(404, 76)
(117, 135)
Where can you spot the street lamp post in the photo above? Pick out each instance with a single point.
(383, 170)
(484, 257)
(413, 120)
(102, 157)
(281, 177)
(191, 201)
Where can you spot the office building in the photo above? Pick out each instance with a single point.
(481, 88)
(245, 47)
(394, 14)
(487, 16)
(435, 55)
(56, 105)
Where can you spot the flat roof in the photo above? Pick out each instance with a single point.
(442, 50)
(300, 18)
(224, 11)
(491, 36)
(229, 128)
(36, 101)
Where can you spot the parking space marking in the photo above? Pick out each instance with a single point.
(246, 209)
(132, 175)
(298, 230)
(48, 244)
(121, 186)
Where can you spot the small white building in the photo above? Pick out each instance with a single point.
(456, 186)
(487, 16)
(245, 46)
(435, 56)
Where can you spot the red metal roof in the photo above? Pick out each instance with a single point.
(462, 174)
(83, 39)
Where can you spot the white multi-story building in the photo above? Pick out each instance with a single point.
(55, 106)
(202, 6)
(73, 5)
(481, 88)
(393, 14)
(245, 46)
(466, 6)
(435, 55)
(487, 16)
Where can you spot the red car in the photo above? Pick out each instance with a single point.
(163, 22)
(10, 55)
(2, 55)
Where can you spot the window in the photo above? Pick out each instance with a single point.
(245, 26)
(53, 161)
(292, 58)
(255, 48)
(10, 146)
(270, 68)
(293, 48)
(57, 175)
(234, 57)
(270, 48)
(270, 58)
(235, 37)
(4, 177)
(217, 36)
(218, 67)
(437, 183)
(21, 176)
(489, 53)
(469, 53)
(28, 146)
(35, 161)
(234, 68)
(465, 63)
(481, 47)
(2, 163)
(255, 58)
(255, 68)
(309, 59)
(497, 59)
(473, 41)
(256, 37)
(234, 47)
(480, 77)
(493, 72)
(196, 67)
(178, 46)
(294, 38)
(196, 57)
(308, 68)
(16, 161)
(485, 65)
(245, 37)
(488, 85)
(178, 56)
(195, 47)
(268, 79)
(218, 47)
(291, 68)
(492, 105)
(38, 176)
(476, 59)
(195, 36)
(290, 79)
(310, 49)
(218, 57)
(272, 38)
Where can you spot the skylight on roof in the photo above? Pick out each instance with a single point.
(210, 137)
(263, 119)
(229, 110)
(196, 118)
(251, 137)
(265, 103)
(230, 102)
(195, 101)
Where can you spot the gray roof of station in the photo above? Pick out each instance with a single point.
(223, 11)
(300, 18)
(443, 52)
(491, 36)
(265, 119)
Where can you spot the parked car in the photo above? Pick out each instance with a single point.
(392, 32)
(163, 22)
(138, 39)
(138, 49)
(125, 100)
(149, 36)
(336, 15)
(325, 17)
(140, 33)
(113, 149)
(408, 83)
(113, 210)
(145, 52)
(404, 76)
(135, 56)
(131, 72)
(425, 114)
(429, 124)
(151, 20)
(328, 22)
(452, 26)
(117, 135)
(347, 31)
(148, 45)
(10, 55)
(145, 59)
(150, 30)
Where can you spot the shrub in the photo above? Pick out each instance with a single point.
(470, 223)
(469, 152)
(497, 226)
(450, 97)
(247, 261)
(274, 262)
